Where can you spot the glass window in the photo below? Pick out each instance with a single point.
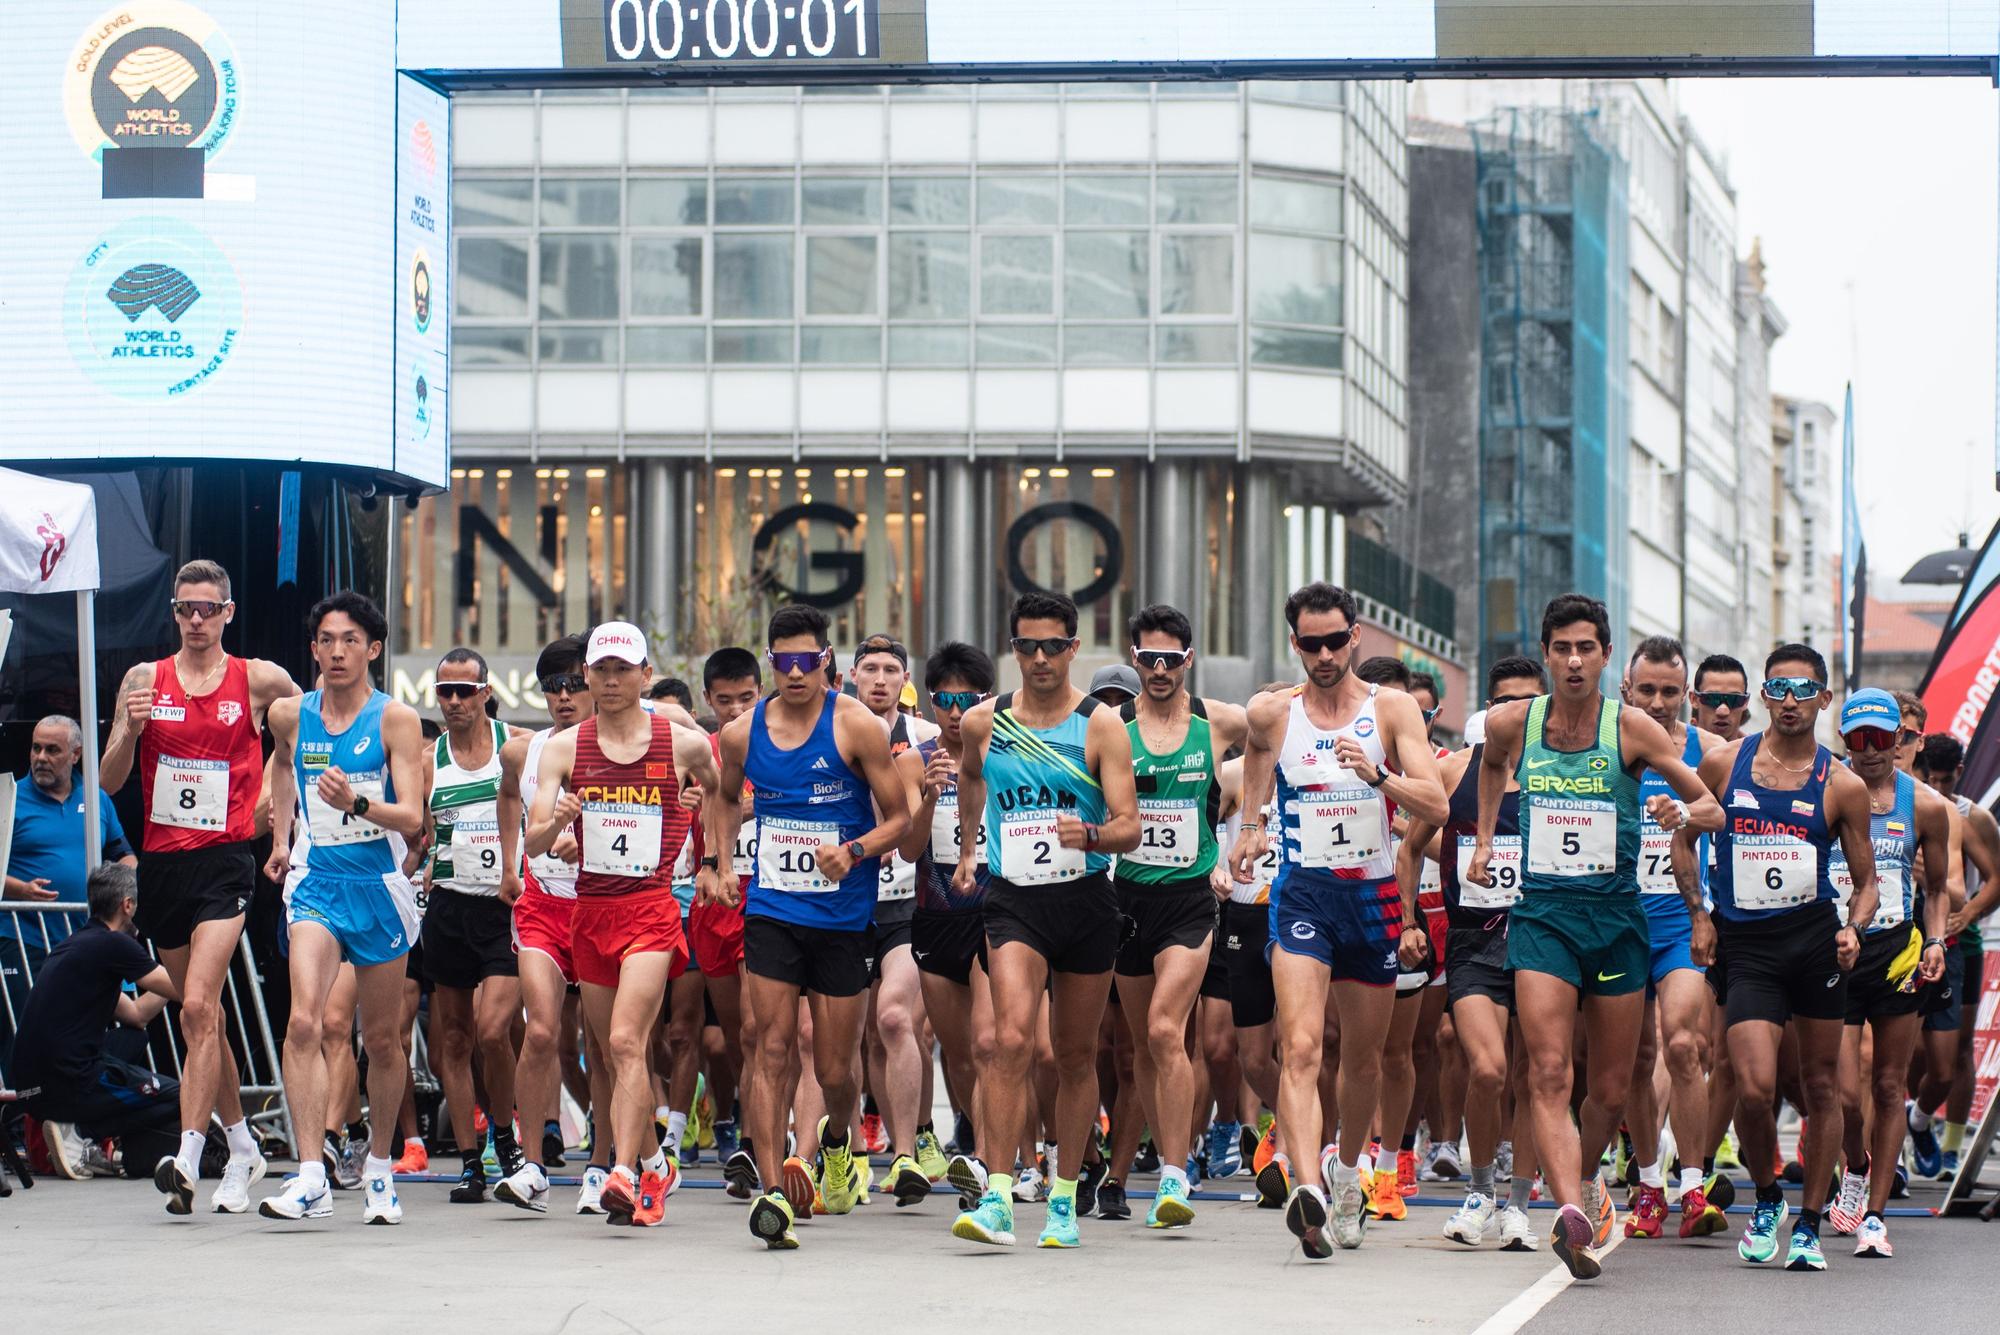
(753, 276)
(1209, 344)
(593, 346)
(1306, 206)
(1294, 279)
(679, 201)
(842, 343)
(579, 277)
(840, 275)
(665, 345)
(762, 344)
(1325, 92)
(492, 203)
(1077, 551)
(1196, 199)
(579, 203)
(929, 275)
(492, 276)
(1105, 275)
(473, 346)
(1294, 347)
(1017, 200)
(1104, 345)
(753, 200)
(666, 275)
(1197, 274)
(1017, 275)
(843, 199)
(1105, 199)
(930, 200)
(927, 345)
(1017, 344)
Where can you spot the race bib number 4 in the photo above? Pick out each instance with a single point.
(787, 855)
(1169, 834)
(332, 827)
(475, 852)
(621, 838)
(1342, 828)
(1030, 852)
(1572, 839)
(1505, 865)
(1773, 871)
(191, 794)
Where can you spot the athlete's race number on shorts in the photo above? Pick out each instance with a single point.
(190, 794)
(622, 838)
(787, 855)
(1505, 868)
(1031, 854)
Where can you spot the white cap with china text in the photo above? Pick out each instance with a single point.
(616, 639)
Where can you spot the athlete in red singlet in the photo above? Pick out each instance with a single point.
(193, 723)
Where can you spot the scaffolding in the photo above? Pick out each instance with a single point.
(1552, 416)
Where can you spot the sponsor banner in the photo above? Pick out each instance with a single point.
(1965, 670)
(1986, 1040)
(48, 535)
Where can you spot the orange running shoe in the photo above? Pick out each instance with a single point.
(801, 1192)
(654, 1188)
(415, 1159)
(617, 1202)
(873, 1137)
(1649, 1212)
(1385, 1197)
(1698, 1217)
(1599, 1209)
(1406, 1172)
(1267, 1149)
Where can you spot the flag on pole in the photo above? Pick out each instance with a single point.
(1853, 552)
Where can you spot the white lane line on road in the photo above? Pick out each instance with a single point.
(1531, 1300)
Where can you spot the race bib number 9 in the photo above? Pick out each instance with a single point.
(191, 794)
(332, 828)
(787, 855)
(1169, 834)
(1773, 871)
(621, 838)
(1572, 839)
(1505, 865)
(475, 852)
(1342, 828)
(1030, 852)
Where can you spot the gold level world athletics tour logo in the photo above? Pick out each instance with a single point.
(152, 93)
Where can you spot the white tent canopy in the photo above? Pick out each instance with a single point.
(48, 544)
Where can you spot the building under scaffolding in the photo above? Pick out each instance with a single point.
(1551, 193)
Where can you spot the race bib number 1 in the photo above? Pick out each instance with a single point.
(1343, 828)
(191, 794)
(1030, 853)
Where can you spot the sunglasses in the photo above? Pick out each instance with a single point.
(1313, 644)
(1869, 739)
(1908, 737)
(959, 700)
(1430, 715)
(189, 608)
(1723, 699)
(459, 690)
(565, 683)
(795, 660)
(1493, 701)
(1053, 647)
(1802, 689)
(1154, 659)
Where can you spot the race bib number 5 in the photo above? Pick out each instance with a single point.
(191, 794)
(621, 838)
(1572, 839)
(1030, 852)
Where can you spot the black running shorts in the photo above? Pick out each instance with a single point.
(1073, 925)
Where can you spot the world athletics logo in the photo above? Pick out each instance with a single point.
(152, 92)
(154, 310)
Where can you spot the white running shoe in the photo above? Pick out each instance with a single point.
(68, 1150)
(1029, 1187)
(297, 1201)
(588, 1196)
(1873, 1238)
(381, 1205)
(1473, 1220)
(1846, 1214)
(1442, 1165)
(238, 1176)
(1348, 1215)
(528, 1188)
(1517, 1232)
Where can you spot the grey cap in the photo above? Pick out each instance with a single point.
(1118, 676)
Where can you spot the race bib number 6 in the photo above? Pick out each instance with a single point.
(1773, 871)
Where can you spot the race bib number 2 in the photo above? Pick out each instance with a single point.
(1031, 854)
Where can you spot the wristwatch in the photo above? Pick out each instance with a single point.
(1930, 941)
(855, 850)
(712, 862)
(1381, 777)
(360, 807)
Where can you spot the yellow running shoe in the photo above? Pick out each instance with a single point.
(771, 1222)
(1385, 1197)
(930, 1156)
(907, 1181)
(840, 1185)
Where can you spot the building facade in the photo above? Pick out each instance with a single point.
(1759, 325)
(1805, 525)
(901, 353)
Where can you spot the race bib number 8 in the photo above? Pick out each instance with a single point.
(1343, 828)
(621, 838)
(1030, 853)
(1773, 871)
(945, 845)
(191, 794)
(1505, 865)
(1572, 839)
(332, 827)
(787, 855)
(1169, 834)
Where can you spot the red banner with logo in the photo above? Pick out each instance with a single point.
(1986, 1040)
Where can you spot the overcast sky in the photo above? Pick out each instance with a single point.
(1876, 202)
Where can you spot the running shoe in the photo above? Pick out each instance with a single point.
(1030, 1186)
(654, 1188)
(1873, 1239)
(1649, 1213)
(968, 1176)
(1472, 1221)
(1503, 1161)
(1406, 1172)
(1267, 1149)
(739, 1173)
(799, 1188)
(1148, 1158)
(1804, 1253)
(689, 1154)
(1760, 1240)
(1274, 1184)
(1225, 1149)
(930, 1155)
(1845, 1213)
(552, 1145)
(1726, 1160)
(1441, 1164)
(1170, 1206)
(1899, 1189)
(1193, 1168)
(1329, 1159)
(1721, 1192)
(1517, 1231)
(1249, 1138)
(1305, 1215)
(619, 1198)
(527, 1188)
(416, 1158)
(1087, 1183)
(1624, 1163)
(590, 1196)
(990, 1222)
(874, 1138)
(907, 1182)
(1385, 1197)
(702, 1124)
(67, 1148)
(353, 1159)
(771, 1222)
(489, 1160)
(726, 1143)
(104, 1159)
(840, 1185)
(380, 1205)
(232, 1196)
(1059, 1228)
(295, 1200)
(334, 1161)
(1111, 1202)
(1348, 1217)
(1699, 1216)
(1598, 1207)
(1947, 1166)
(471, 1188)
(1571, 1241)
(175, 1184)
(1924, 1147)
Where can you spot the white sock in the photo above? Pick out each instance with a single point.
(190, 1152)
(1917, 1118)
(1649, 1176)
(379, 1167)
(313, 1173)
(656, 1162)
(1690, 1178)
(1342, 1174)
(242, 1145)
(630, 1176)
(1170, 1173)
(677, 1125)
(1385, 1160)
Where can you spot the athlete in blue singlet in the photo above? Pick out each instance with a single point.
(352, 759)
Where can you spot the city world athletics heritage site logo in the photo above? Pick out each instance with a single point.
(153, 310)
(152, 92)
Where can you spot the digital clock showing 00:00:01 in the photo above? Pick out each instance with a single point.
(649, 31)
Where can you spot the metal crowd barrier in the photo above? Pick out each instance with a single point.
(246, 1024)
